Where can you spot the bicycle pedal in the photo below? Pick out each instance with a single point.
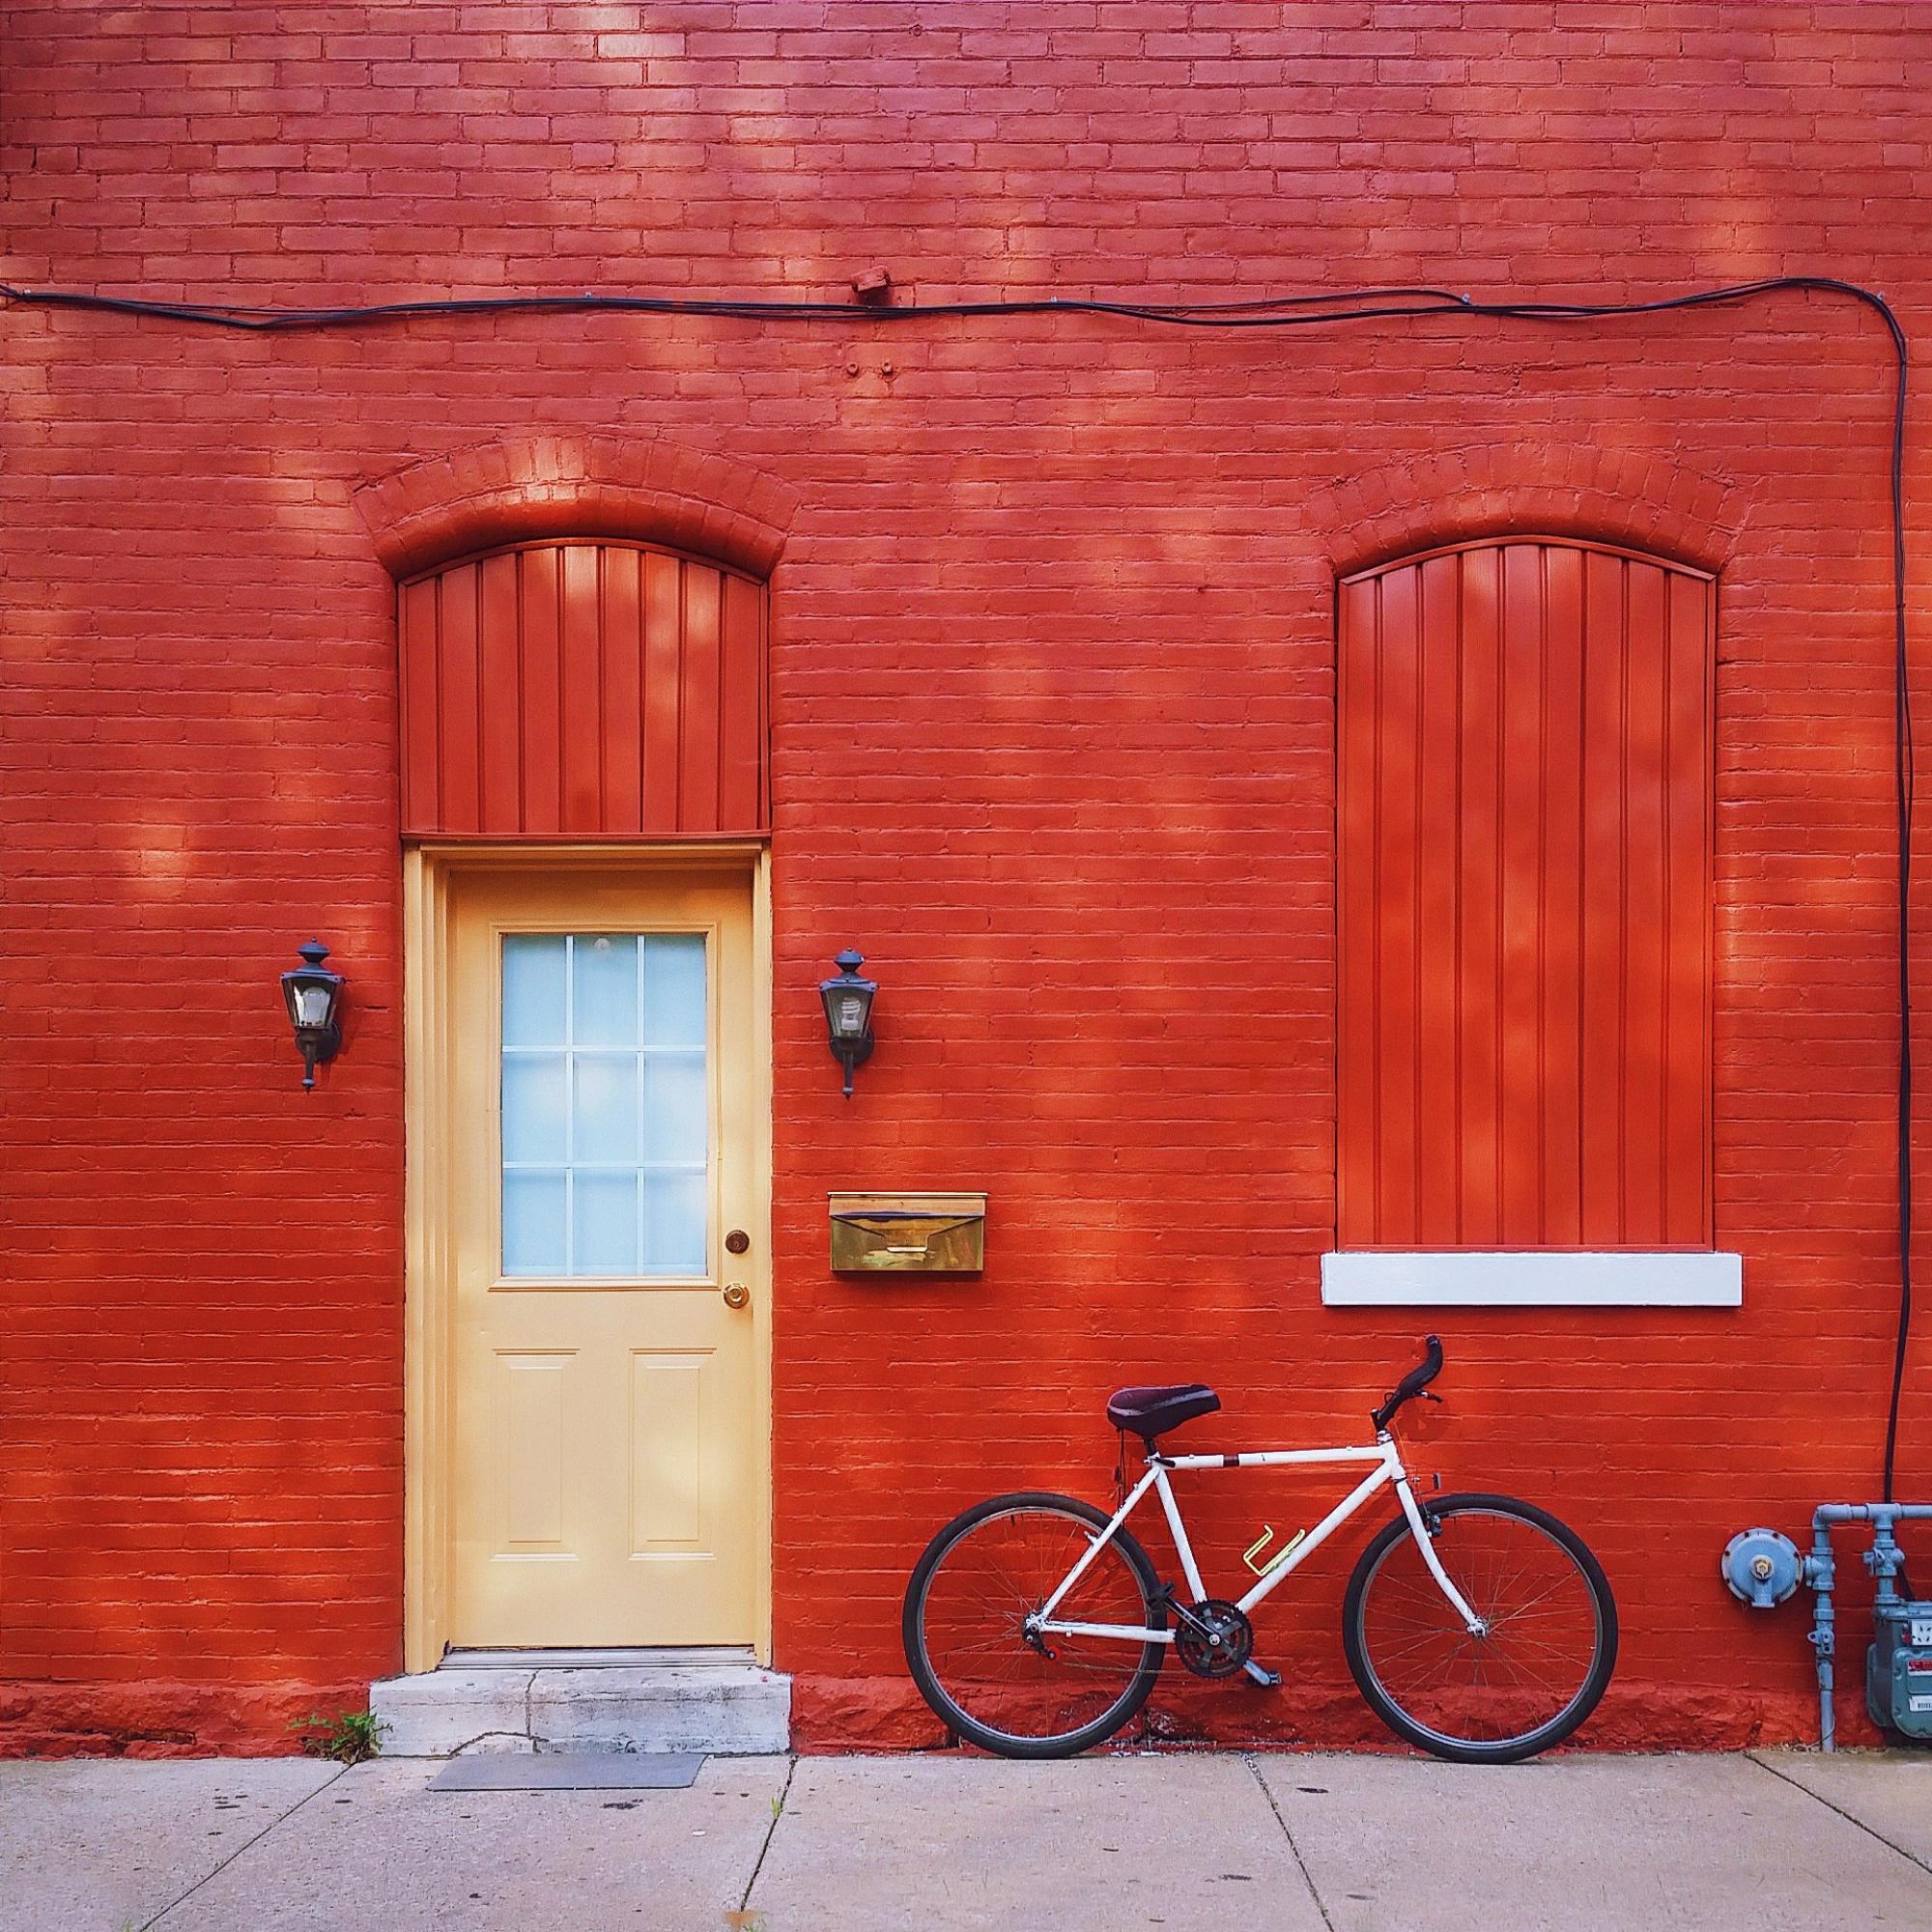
(1259, 1673)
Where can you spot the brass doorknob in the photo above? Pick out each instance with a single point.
(736, 1294)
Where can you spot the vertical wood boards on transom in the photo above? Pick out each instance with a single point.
(1524, 851)
(583, 690)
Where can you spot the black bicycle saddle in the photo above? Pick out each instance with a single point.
(1149, 1413)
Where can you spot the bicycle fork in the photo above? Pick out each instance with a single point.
(1424, 1541)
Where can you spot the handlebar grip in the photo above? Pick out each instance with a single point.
(1414, 1382)
(1431, 1360)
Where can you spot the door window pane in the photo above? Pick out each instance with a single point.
(606, 1102)
(605, 1124)
(673, 1222)
(535, 1127)
(535, 1000)
(534, 1222)
(604, 1213)
(674, 989)
(605, 972)
(676, 1129)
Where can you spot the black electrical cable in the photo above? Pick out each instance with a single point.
(1371, 304)
(1255, 312)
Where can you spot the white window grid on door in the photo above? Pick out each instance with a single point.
(691, 1258)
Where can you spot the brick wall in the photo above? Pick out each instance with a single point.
(1052, 699)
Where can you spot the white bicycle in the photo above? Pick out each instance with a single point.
(1475, 1626)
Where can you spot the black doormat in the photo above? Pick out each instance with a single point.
(569, 1770)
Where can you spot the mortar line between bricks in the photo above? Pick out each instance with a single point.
(249, 1844)
(771, 1832)
(1850, 1818)
(1301, 1863)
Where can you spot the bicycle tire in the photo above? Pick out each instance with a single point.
(1374, 1565)
(962, 1721)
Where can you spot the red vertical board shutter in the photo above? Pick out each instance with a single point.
(1526, 850)
(583, 690)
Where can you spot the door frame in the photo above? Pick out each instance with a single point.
(430, 871)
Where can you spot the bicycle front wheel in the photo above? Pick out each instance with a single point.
(1547, 1648)
(967, 1644)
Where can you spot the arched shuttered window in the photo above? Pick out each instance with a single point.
(1525, 853)
(583, 690)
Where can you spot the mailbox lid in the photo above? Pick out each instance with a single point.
(908, 1206)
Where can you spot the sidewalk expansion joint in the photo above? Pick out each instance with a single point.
(1850, 1818)
(1301, 1863)
(273, 1824)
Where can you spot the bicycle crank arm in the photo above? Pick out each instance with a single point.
(1259, 1673)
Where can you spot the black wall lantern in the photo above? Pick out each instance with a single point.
(313, 995)
(848, 1012)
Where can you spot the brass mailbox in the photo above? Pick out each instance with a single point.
(913, 1233)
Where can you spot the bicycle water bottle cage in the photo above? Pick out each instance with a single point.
(1153, 1412)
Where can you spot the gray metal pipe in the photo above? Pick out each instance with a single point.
(1821, 1573)
(1823, 1638)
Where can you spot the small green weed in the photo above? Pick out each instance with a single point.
(348, 1738)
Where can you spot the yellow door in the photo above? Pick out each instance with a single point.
(607, 1264)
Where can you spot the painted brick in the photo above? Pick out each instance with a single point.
(1052, 696)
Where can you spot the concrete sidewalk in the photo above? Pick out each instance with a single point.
(1101, 1844)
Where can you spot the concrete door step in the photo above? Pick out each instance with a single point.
(728, 1708)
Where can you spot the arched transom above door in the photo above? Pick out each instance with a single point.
(596, 689)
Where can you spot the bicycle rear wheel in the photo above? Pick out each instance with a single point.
(1543, 1662)
(966, 1607)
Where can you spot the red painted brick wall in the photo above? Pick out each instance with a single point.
(1052, 699)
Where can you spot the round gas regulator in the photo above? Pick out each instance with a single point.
(1760, 1567)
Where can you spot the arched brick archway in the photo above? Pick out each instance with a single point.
(1655, 502)
(521, 489)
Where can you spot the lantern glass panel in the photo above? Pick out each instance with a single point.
(312, 1004)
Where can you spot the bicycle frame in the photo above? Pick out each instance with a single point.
(1388, 1470)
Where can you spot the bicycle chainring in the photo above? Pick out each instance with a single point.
(1213, 1639)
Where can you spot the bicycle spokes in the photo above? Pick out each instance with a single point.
(973, 1634)
(1542, 1638)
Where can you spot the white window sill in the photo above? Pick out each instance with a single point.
(1531, 1278)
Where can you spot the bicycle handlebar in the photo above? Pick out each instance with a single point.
(1411, 1384)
